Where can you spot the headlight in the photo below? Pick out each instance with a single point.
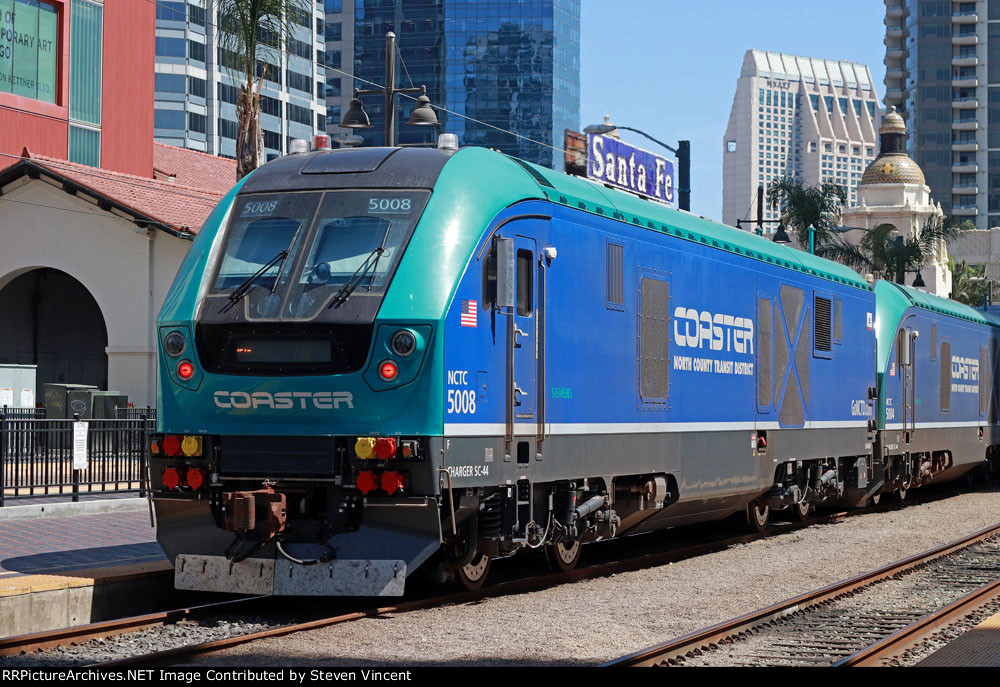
(174, 344)
(403, 342)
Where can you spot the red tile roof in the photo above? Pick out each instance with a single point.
(194, 169)
(177, 206)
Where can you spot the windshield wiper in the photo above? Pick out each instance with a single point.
(243, 288)
(364, 268)
(348, 288)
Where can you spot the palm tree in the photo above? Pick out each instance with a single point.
(808, 206)
(250, 31)
(883, 253)
(968, 284)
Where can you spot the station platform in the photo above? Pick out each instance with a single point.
(75, 569)
(977, 648)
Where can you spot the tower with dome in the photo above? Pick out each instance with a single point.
(893, 191)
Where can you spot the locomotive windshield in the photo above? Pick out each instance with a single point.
(293, 254)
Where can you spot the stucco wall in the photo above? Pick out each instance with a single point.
(126, 269)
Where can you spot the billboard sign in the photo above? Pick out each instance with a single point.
(28, 49)
(624, 166)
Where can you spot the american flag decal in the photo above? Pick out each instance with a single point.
(469, 313)
(892, 369)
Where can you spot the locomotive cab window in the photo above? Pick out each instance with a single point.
(490, 279)
(306, 249)
(525, 282)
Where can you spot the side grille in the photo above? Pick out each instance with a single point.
(795, 396)
(654, 338)
(764, 381)
(945, 375)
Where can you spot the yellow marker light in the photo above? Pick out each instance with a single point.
(154, 447)
(191, 446)
(365, 447)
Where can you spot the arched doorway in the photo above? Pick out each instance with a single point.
(49, 319)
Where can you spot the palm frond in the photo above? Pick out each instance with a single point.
(252, 35)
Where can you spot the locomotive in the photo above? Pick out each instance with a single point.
(383, 360)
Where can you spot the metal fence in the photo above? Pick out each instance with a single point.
(23, 413)
(36, 455)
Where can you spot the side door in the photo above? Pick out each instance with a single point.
(523, 350)
(524, 309)
(906, 356)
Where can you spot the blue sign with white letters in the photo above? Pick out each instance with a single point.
(611, 161)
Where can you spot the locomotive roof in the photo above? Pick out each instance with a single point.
(589, 196)
(893, 300)
(472, 186)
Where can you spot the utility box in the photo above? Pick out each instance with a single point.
(103, 407)
(57, 401)
(91, 404)
(17, 386)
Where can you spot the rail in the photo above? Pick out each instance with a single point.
(664, 654)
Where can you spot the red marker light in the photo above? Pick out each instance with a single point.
(171, 478)
(385, 448)
(392, 482)
(185, 370)
(388, 370)
(195, 478)
(367, 481)
(172, 445)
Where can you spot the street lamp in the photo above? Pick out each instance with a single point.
(781, 236)
(423, 114)
(682, 151)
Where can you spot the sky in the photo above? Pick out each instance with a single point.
(669, 67)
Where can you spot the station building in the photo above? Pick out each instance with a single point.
(94, 217)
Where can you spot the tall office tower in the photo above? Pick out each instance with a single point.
(800, 117)
(504, 66)
(196, 91)
(943, 75)
(339, 63)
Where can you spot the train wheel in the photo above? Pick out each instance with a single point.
(473, 575)
(972, 478)
(801, 511)
(757, 516)
(563, 558)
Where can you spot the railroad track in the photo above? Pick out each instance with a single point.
(823, 627)
(678, 550)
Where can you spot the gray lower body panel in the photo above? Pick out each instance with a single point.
(267, 576)
(396, 536)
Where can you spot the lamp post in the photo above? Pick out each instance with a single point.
(682, 151)
(423, 114)
(780, 235)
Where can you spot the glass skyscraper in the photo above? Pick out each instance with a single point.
(196, 93)
(943, 74)
(504, 66)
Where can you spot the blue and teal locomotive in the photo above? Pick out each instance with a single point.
(380, 360)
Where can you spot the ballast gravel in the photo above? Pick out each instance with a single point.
(586, 622)
(598, 620)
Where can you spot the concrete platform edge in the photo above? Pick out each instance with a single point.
(60, 510)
